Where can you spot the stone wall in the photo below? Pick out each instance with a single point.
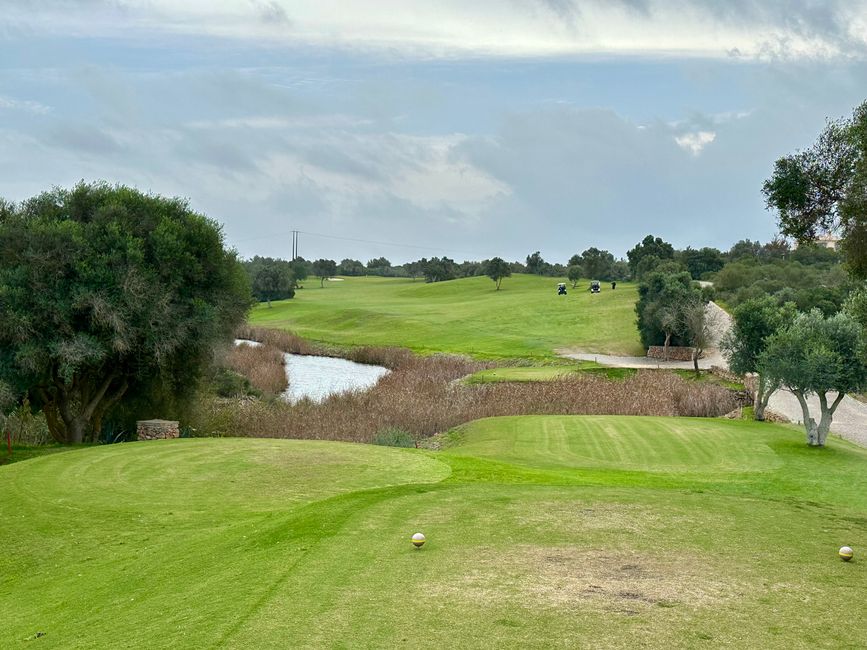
(157, 429)
(675, 353)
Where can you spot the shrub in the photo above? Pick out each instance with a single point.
(394, 437)
(228, 383)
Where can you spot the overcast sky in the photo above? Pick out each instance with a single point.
(471, 129)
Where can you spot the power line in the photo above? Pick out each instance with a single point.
(295, 234)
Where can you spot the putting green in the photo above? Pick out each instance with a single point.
(542, 532)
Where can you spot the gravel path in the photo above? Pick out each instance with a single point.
(850, 418)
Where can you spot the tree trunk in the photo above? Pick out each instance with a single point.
(498, 283)
(55, 425)
(695, 355)
(810, 425)
(761, 400)
(827, 415)
(71, 412)
(269, 302)
(665, 346)
(764, 389)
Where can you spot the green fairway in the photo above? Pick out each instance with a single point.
(546, 373)
(543, 532)
(526, 318)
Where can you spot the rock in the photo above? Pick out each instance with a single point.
(157, 429)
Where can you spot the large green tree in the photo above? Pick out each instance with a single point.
(662, 301)
(597, 264)
(823, 189)
(701, 261)
(438, 269)
(497, 268)
(650, 246)
(324, 269)
(754, 321)
(108, 294)
(535, 263)
(273, 280)
(821, 356)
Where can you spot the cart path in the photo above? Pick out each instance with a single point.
(850, 418)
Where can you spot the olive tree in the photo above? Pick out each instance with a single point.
(754, 321)
(821, 356)
(700, 325)
(109, 294)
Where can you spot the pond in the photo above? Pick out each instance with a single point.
(317, 377)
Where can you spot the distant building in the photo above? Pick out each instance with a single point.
(828, 241)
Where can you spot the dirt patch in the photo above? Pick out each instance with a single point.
(615, 517)
(607, 581)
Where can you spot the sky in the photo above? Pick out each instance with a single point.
(405, 129)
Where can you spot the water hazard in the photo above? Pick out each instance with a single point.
(317, 377)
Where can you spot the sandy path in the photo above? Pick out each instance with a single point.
(850, 418)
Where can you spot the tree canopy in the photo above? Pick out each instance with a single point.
(817, 355)
(662, 300)
(649, 246)
(754, 321)
(270, 278)
(823, 189)
(497, 268)
(597, 264)
(535, 263)
(324, 269)
(108, 293)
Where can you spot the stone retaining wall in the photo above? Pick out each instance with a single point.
(157, 429)
(675, 353)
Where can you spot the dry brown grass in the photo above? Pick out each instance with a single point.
(389, 357)
(605, 581)
(279, 339)
(422, 397)
(263, 365)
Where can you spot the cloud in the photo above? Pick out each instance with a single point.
(695, 142)
(28, 106)
(744, 29)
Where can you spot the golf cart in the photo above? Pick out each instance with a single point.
(594, 286)
(561, 289)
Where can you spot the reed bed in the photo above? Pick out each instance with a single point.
(263, 365)
(422, 397)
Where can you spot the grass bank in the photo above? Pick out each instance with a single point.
(525, 319)
(544, 532)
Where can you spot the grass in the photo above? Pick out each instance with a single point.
(525, 319)
(543, 532)
(545, 373)
(26, 452)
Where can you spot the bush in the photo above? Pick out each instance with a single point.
(228, 383)
(26, 427)
(393, 437)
